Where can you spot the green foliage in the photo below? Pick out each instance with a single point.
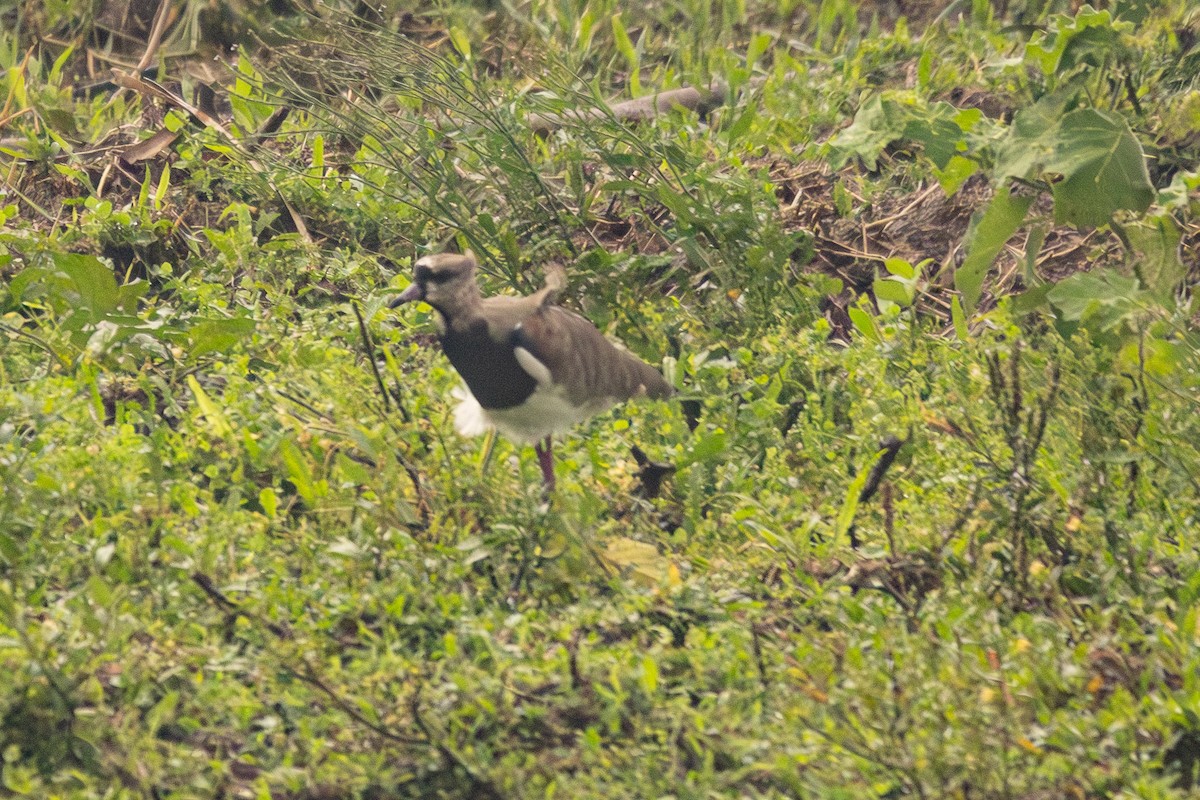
(1089, 160)
(243, 552)
(940, 128)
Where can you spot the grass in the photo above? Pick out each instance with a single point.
(244, 554)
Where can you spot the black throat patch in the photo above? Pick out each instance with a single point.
(489, 368)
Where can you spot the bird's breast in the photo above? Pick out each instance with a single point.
(489, 368)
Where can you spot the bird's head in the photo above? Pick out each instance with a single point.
(445, 281)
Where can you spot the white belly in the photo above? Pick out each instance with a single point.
(546, 412)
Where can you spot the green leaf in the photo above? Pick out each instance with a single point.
(1101, 300)
(893, 116)
(955, 174)
(211, 411)
(10, 551)
(891, 291)
(92, 279)
(217, 335)
(961, 330)
(938, 128)
(758, 46)
(896, 290)
(741, 126)
(297, 469)
(268, 501)
(876, 125)
(1031, 299)
(849, 508)
(628, 52)
(1087, 38)
(997, 225)
(1155, 242)
(710, 446)
(864, 323)
(1105, 169)
(1090, 159)
(649, 676)
(642, 561)
(461, 42)
(1033, 246)
(901, 268)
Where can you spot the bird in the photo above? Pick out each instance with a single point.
(531, 368)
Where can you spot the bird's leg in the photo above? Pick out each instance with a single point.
(546, 459)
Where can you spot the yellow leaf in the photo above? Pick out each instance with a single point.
(1030, 746)
(814, 693)
(643, 561)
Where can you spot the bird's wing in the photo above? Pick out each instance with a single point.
(577, 357)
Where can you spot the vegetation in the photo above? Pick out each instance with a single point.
(924, 282)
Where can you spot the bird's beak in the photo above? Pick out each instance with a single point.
(413, 292)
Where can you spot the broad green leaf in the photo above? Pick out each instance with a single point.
(1030, 300)
(30, 276)
(1100, 300)
(1157, 356)
(741, 126)
(1104, 166)
(92, 278)
(955, 174)
(217, 335)
(893, 116)
(901, 268)
(1086, 38)
(892, 292)
(864, 323)
(1033, 246)
(996, 226)
(1029, 142)
(1155, 242)
(877, 124)
(938, 129)
(1091, 160)
(1177, 196)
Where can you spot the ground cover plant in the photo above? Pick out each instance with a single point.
(920, 522)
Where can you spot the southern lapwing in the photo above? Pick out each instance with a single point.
(531, 368)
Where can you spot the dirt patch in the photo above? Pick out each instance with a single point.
(853, 241)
